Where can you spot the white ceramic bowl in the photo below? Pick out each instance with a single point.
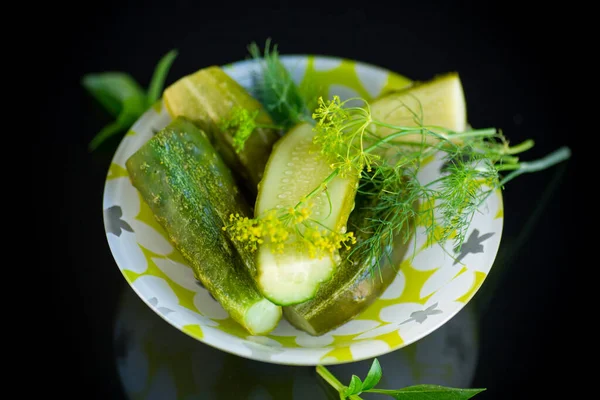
(427, 292)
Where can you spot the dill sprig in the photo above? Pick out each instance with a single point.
(276, 90)
(389, 198)
(466, 186)
(286, 103)
(241, 123)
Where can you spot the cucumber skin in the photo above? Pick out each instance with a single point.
(219, 94)
(172, 171)
(351, 290)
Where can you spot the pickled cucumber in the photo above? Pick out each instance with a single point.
(189, 190)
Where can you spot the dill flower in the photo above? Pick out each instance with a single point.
(323, 242)
(341, 134)
(254, 231)
(286, 228)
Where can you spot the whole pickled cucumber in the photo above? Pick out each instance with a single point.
(190, 191)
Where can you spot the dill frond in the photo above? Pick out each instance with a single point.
(390, 200)
(276, 90)
(240, 124)
(469, 181)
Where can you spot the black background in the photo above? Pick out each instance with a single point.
(514, 64)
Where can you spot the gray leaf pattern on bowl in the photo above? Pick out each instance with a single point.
(473, 245)
(261, 350)
(163, 310)
(114, 223)
(202, 286)
(421, 315)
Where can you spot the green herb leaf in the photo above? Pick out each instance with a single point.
(132, 108)
(355, 386)
(373, 376)
(158, 78)
(123, 97)
(429, 392)
(111, 89)
(418, 392)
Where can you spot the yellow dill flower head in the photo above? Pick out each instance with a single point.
(277, 228)
(330, 112)
(300, 215)
(312, 252)
(330, 118)
(245, 230)
(321, 242)
(341, 136)
(305, 212)
(274, 228)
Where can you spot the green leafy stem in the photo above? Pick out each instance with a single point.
(124, 98)
(416, 392)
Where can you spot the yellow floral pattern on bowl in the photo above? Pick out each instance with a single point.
(428, 291)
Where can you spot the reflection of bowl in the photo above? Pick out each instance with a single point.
(155, 361)
(427, 292)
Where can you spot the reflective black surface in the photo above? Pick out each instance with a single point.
(513, 79)
(156, 361)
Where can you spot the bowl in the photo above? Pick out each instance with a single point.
(432, 285)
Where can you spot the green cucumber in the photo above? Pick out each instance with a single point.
(295, 168)
(207, 97)
(354, 286)
(190, 192)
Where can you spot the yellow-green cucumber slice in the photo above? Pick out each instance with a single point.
(438, 102)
